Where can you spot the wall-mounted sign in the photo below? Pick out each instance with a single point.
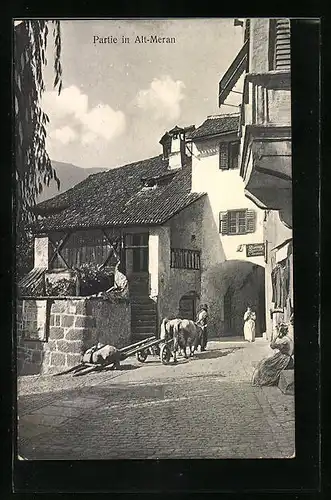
(255, 250)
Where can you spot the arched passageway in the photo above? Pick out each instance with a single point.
(230, 288)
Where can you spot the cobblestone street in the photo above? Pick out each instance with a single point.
(201, 408)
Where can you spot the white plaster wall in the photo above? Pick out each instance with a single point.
(225, 189)
(177, 233)
(259, 43)
(186, 227)
(279, 106)
(175, 156)
(159, 265)
(153, 263)
(221, 263)
(41, 251)
(180, 282)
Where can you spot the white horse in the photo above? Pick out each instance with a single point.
(184, 332)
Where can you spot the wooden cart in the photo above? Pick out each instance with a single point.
(141, 349)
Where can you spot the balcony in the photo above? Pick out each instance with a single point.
(266, 140)
(181, 258)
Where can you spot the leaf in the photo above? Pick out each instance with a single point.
(33, 167)
(56, 80)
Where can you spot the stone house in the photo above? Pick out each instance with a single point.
(178, 226)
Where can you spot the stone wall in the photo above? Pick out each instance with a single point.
(72, 325)
(29, 353)
(112, 321)
(173, 283)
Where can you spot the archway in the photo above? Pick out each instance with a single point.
(228, 289)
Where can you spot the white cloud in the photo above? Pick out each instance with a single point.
(104, 122)
(64, 134)
(88, 138)
(71, 108)
(162, 98)
(70, 102)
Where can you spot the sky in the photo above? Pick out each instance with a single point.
(118, 99)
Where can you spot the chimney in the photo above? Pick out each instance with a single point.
(174, 146)
(175, 156)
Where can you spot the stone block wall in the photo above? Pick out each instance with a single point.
(112, 321)
(72, 326)
(70, 334)
(29, 353)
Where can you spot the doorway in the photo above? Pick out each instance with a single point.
(137, 261)
(228, 312)
(261, 316)
(187, 306)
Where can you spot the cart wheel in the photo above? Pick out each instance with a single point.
(165, 354)
(156, 350)
(142, 355)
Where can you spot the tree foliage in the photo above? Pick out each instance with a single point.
(33, 165)
(33, 168)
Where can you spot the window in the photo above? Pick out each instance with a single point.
(237, 222)
(229, 153)
(138, 244)
(82, 247)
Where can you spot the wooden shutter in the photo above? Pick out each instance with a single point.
(247, 30)
(250, 221)
(282, 45)
(223, 223)
(233, 154)
(224, 157)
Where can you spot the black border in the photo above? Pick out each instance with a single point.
(301, 474)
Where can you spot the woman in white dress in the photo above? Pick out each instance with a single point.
(249, 325)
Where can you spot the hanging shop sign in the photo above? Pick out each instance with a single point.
(255, 250)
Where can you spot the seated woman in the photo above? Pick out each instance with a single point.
(269, 369)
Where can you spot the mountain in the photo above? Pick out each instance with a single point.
(69, 176)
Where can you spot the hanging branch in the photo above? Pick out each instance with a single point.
(33, 166)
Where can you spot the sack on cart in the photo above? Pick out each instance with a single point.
(102, 354)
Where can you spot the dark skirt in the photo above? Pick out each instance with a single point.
(268, 370)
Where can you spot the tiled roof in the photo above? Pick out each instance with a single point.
(117, 198)
(214, 125)
(33, 282)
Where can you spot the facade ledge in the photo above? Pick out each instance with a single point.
(263, 134)
(266, 167)
(277, 79)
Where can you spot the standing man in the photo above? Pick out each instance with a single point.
(202, 321)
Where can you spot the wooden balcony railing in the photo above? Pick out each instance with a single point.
(181, 258)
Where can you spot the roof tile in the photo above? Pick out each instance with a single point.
(117, 198)
(216, 125)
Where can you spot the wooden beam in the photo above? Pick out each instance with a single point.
(57, 249)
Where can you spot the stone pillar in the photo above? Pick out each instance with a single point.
(72, 331)
(159, 265)
(175, 159)
(153, 264)
(41, 251)
(259, 45)
(268, 302)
